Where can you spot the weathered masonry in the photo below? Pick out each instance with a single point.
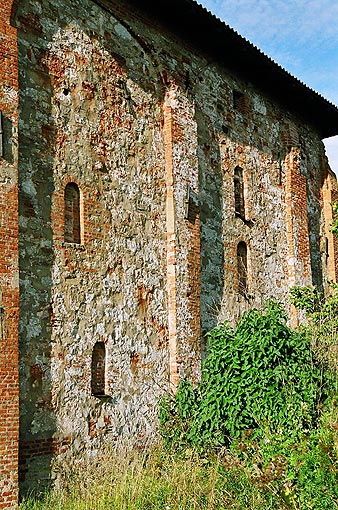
(158, 174)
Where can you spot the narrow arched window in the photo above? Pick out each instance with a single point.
(242, 268)
(98, 381)
(239, 192)
(72, 214)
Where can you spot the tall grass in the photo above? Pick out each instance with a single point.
(152, 479)
(265, 475)
(271, 470)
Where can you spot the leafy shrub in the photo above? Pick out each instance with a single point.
(308, 299)
(302, 474)
(260, 474)
(334, 227)
(322, 325)
(260, 376)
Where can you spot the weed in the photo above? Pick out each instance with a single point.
(262, 375)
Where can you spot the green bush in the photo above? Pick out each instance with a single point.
(334, 226)
(308, 299)
(260, 376)
(261, 391)
(322, 325)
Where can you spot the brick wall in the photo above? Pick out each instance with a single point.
(330, 249)
(149, 131)
(9, 291)
(171, 243)
(183, 233)
(86, 119)
(298, 260)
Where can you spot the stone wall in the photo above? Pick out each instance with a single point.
(150, 131)
(90, 115)
(152, 143)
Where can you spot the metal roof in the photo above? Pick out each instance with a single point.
(207, 33)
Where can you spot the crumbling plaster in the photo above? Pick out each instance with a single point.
(135, 117)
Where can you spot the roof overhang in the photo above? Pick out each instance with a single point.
(211, 36)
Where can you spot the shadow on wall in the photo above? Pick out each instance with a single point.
(36, 258)
(6, 140)
(318, 256)
(40, 440)
(211, 224)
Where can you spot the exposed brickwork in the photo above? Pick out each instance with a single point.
(38, 454)
(171, 242)
(299, 266)
(290, 136)
(194, 289)
(182, 158)
(330, 242)
(9, 283)
(151, 130)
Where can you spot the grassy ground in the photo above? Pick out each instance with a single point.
(156, 481)
(272, 474)
(263, 471)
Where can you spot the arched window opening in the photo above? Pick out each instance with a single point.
(98, 381)
(239, 192)
(72, 231)
(242, 268)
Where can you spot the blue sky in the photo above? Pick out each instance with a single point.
(301, 35)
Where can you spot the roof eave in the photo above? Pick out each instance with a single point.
(209, 34)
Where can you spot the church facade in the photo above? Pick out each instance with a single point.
(159, 174)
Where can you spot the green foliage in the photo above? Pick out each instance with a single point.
(260, 376)
(322, 325)
(334, 227)
(270, 393)
(307, 299)
(261, 473)
(175, 414)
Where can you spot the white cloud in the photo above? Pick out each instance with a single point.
(279, 19)
(331, 146)
(300, 35)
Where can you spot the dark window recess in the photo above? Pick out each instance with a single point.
(72, 214)
(191, 205)
(98, 381)
(1, 137)
(242, 268)
(239, 101)
(6, 133)
(239, 192)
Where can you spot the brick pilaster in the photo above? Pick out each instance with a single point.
(299, 261)
(171, 244)
(329, 197)
(183, 234)
(9, 282)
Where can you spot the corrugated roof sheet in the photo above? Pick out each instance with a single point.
(247, 41)
(192, 22)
